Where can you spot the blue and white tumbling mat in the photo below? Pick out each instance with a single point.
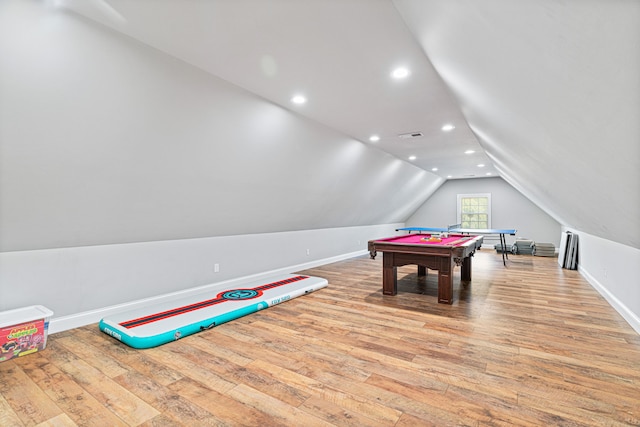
(161, 323)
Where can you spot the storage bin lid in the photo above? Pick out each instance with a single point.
(24, 315)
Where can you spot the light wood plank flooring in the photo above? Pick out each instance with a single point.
(531, 344)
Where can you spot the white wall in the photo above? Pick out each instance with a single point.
(105, 140)
(509, 209)
(612, 269)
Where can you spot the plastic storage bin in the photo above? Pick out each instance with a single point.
(23, 331)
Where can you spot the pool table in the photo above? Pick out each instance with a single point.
(426, 251)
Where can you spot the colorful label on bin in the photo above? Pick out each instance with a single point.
(22, 339)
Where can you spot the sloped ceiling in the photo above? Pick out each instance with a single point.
(552, 91)
(339, 54)
(545, 92)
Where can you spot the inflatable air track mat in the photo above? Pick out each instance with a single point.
(155, 325)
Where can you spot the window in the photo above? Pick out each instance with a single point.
(474, 210)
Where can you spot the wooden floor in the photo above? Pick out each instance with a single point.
(530, 344)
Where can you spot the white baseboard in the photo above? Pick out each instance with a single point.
(63, 323)
(623, 310)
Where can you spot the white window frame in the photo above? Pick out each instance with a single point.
(473, 195)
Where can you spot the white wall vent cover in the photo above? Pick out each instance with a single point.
(410, 135)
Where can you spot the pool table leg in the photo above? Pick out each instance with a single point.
(465, 269)
(389, 274)
(445, 281)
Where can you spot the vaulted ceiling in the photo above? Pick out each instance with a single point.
(543, 93)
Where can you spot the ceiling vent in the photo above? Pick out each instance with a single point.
(410, 135)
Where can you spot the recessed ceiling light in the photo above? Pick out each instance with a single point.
(298, 99)
(481, 165)
(400, 73)
(488, 173)
(469, 152)
(448, 127)
(374, 138)
(449, 176)
(412, 157)
(434, 169)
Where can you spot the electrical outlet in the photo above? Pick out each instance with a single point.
(308, 252)
(216, 268)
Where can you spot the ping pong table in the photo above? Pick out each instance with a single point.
(457, 229)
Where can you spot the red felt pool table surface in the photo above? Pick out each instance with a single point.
(422, 239)
(443, 256)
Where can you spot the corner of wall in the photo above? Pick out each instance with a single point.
(632, 319)
(610, 268)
